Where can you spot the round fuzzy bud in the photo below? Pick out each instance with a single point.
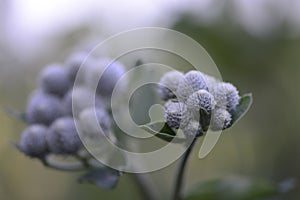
(43, 108)
(176, 114)
(104, 74)
(201, 99)
(226, 96)
(210, 82)
(80, 98)
(192, 129)
(54, 79)
(73, 64)
(221, 119)
(192, 82)
(168, 85)
(62, 136)
(33, 141)
(195, 80)
(91, 126)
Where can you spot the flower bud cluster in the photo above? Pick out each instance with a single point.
(58, 103)
(196, 100)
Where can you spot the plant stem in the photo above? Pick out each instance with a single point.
(180, 173)
(146, 187)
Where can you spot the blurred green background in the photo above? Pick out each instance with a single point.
(260, 55)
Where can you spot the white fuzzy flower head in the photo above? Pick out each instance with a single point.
(33, 141)
(210, 81)
(221, 119)
(176, 114)
(168, 84)
(201, 99)
(192, 82)
(62, 137)
(226, 96)
(54, 79)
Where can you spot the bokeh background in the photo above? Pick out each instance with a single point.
(255, 45)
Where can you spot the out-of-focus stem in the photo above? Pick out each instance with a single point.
(146, 186)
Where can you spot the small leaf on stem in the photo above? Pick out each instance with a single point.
(162, 130)
(242, 108)
(102, 177)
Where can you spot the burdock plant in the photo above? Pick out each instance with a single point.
(195, 103)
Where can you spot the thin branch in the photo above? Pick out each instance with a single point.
(180, 173)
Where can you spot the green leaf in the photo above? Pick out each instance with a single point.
(243, 107)
(102, 177)
(162, 130)
(234, 188)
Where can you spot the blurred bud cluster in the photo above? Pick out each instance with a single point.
(63, 106)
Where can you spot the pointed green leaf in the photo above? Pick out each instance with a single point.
(161, 127)
(163, 131)
(243, 107)
(103, 177)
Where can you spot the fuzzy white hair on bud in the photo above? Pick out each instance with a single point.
(221, 119)
(192, 82)
(176, 114)
(168, 85)
(226, 96)
(201, 99)
(192, 129)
